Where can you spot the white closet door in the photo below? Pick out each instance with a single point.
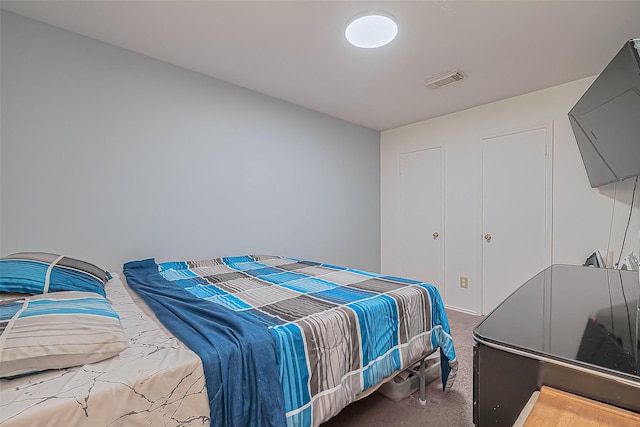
(420, 209)
(515, 212)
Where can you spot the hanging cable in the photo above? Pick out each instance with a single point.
(633, 196)
(613, 211)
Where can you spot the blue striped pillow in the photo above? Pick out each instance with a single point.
(39, 272)
(57, 330)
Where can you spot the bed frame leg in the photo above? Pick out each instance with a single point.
(423, 382)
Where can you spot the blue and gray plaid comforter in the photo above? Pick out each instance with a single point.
(338, 331)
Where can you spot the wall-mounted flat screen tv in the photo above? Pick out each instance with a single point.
(606, 120)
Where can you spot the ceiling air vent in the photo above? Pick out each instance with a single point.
(444, 79)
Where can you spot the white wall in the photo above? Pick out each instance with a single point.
(111, 156)
(581, 215)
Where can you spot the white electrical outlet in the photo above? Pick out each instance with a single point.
(464, 282)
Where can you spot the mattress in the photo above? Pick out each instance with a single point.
(338, 333)
(155, 381)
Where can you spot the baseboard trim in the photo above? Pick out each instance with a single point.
(462, 310)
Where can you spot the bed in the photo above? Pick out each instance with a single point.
(326, 335)
(248, 340)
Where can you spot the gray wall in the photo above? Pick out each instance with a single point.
(111, 156)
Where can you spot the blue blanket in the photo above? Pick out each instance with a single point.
(238, 355)
(339, 332)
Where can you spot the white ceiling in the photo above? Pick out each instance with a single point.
(295, 50)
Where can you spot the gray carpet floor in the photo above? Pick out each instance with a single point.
(451, 408)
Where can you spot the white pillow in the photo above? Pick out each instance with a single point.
(57, 330)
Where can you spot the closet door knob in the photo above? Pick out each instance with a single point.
(435, 235)
(487, 237)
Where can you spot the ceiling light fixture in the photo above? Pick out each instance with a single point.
(371, 29)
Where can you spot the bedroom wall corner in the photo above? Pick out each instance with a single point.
(582, 217)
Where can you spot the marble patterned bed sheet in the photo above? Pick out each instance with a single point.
(155, 381)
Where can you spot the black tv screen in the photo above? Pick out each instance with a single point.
(606, 120)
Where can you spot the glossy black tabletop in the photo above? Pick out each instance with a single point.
(584, 316)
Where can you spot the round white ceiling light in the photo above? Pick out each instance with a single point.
(371, 29)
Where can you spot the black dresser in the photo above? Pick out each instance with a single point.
(569, 327)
